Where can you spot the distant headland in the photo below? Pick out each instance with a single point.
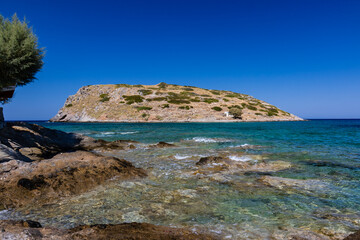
(165, 103)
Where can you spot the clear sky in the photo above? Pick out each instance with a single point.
(300, 55)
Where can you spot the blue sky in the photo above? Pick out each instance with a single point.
(302, 56)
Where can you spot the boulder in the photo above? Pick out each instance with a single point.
(35, 142)
(63, 175)
(354, 236)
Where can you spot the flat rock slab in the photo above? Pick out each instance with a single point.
(33, 142)
(27, 230)
(63, 175)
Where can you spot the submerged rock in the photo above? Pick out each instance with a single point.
(252, 164)
(283, 183)
(162, 145)
(63, 175)
(211, 159)
(29, 230)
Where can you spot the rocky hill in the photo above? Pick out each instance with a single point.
(165, 103)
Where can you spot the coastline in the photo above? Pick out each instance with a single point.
(180, 121)
(201, 165)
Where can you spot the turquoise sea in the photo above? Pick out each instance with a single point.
(323, 155)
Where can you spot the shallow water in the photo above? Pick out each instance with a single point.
(232, 204)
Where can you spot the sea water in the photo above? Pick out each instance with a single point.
(231, 204)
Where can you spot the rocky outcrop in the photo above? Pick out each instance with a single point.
(165, 103)
(162, 145)
(29, 230)
(354, 236)
(63, 175)
(31, 142)
(23, 141)
(42, 165)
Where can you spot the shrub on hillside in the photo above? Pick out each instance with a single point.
(236, 113)
(217, 109)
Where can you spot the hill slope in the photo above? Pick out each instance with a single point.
(164, 103)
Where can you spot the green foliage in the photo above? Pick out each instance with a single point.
(175, 98)
(187, 89)
(251, 107)
(235, 106)
(210, 100)
(143, 108)
(225, 99)
(236, 113)
(138, 85)
(158, 99)
(20, 55)
(122, 85)
(133, 99)
(178, 101)
(272, 112)
(165, 106)
(186, 107)
(232, 95)
(188, 94)
(68, 105)
(215, 92)
(205, 95)
(104, 97)
(162, 85)
(217, 109)
(258, 114)
(144, 115)
(145, 92)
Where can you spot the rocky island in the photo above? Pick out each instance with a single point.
(165, 103)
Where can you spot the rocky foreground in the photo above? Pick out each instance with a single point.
(40, 165)
(165, 103)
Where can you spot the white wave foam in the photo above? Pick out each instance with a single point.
(179, 157)
(240, 159)
(103, 134)
(125, 133)
(209, 140)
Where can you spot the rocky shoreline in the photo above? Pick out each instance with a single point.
(41, 166)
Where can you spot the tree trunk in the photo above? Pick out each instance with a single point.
(2, 121)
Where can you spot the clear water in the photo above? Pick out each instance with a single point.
(232, 204)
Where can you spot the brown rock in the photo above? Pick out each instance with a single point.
(211, 159)
(130, 231)
(162, 145)
(354, 236)
(34, 142)
(63, 175)
(88, 143)
(33, 153)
